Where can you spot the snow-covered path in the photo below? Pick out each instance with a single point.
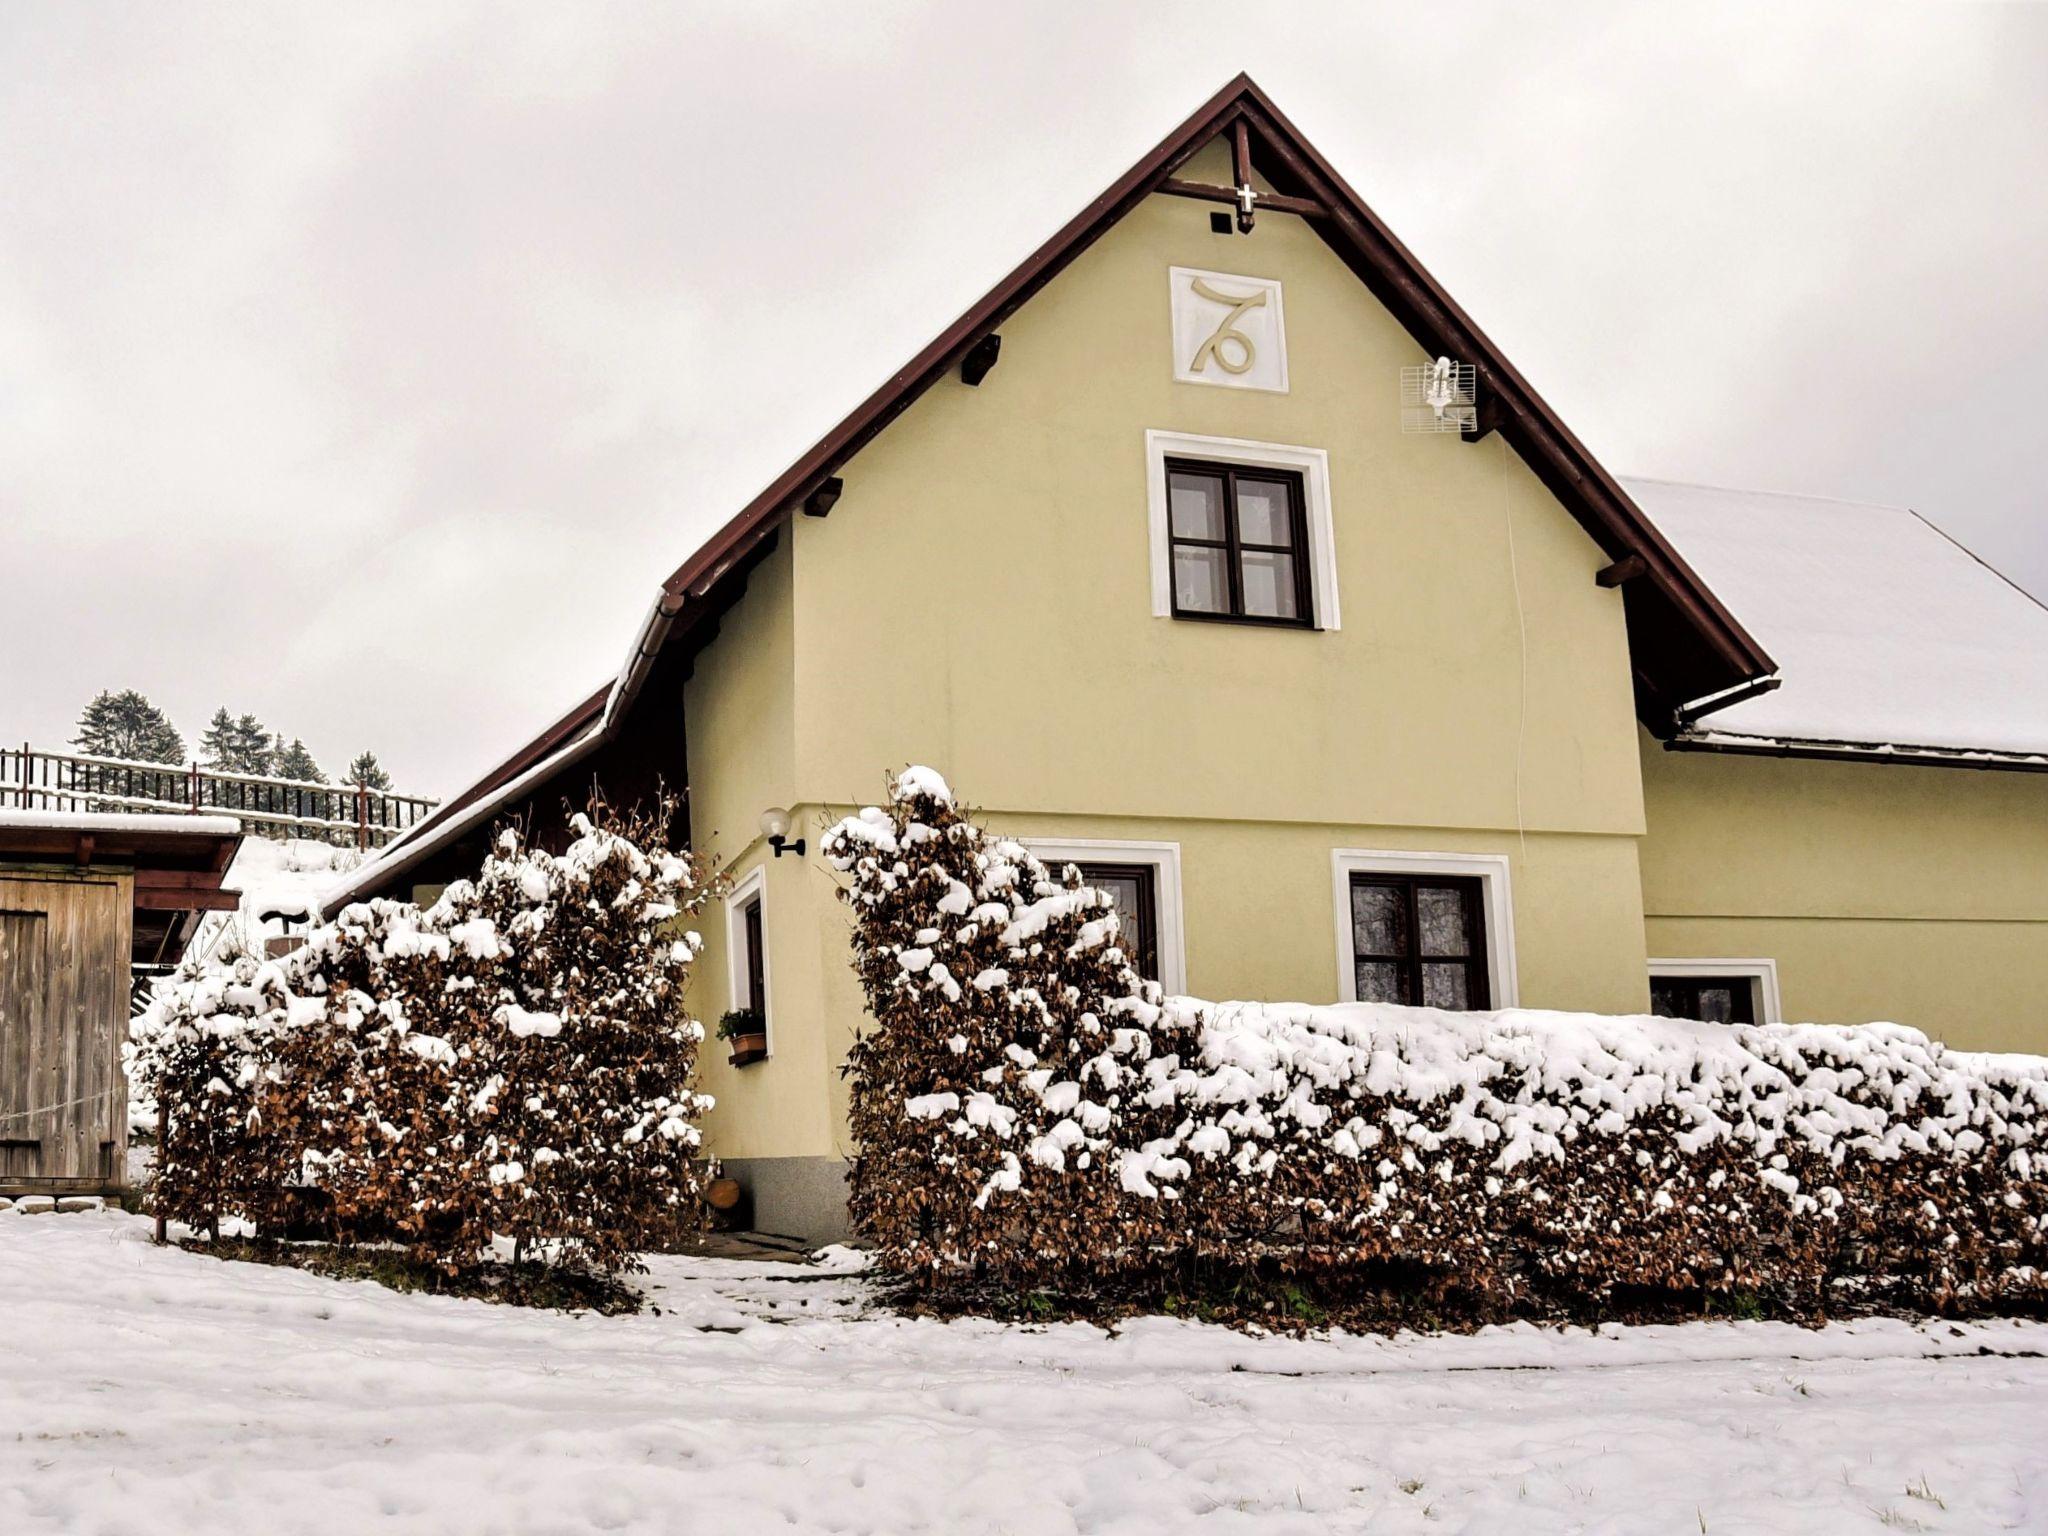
(153, 1390)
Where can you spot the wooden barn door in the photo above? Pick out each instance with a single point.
(64, 953)
(24, 987)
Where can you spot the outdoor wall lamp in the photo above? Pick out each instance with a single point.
(775, 827)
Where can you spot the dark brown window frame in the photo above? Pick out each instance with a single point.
(1742, 990)
(1143, 946)
(753, 925)
(1477, 959)
(1234, 547)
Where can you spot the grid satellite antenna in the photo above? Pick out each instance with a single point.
(1440, 397)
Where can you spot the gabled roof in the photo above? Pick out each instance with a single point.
(1896, 641)
(1684, 644)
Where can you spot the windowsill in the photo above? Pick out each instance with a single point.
(1304, 626)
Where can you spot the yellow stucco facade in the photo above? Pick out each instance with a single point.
(1913, 894)
(981, 600)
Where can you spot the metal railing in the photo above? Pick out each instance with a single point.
(72, 781)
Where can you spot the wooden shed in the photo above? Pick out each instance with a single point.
(84, 898)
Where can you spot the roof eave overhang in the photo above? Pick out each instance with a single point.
(1738, 744)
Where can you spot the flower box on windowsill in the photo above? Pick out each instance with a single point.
(748, 1049)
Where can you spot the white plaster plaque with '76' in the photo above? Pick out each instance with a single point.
(1228, 329)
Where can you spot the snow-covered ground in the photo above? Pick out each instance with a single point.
(149, 1389)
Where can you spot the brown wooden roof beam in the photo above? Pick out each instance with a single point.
(1627, 568)
(824, 497)
(1202, 191)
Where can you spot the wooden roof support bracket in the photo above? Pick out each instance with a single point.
(825, 497)
(980, 358)
(1627, 568)
(1241, 172)
(1486, 414)
(1202, 191)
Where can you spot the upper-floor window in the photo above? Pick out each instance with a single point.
(1240, 546)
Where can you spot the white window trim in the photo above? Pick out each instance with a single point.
(1164, 858)
(1312, 464)
(749, 886)
(1762, 976)
(1496, 900)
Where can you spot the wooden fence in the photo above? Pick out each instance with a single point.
(69, 781)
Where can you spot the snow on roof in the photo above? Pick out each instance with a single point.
(1887, 632)
(120, 821)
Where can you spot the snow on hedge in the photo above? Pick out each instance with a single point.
(514, 1060)
(1028, 1106)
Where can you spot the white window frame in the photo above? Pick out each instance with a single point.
(1761, 974)
(1164, 859)
(1497, 901)
(749, 887)
(1312, 464)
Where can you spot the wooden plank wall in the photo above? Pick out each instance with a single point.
(64, 954)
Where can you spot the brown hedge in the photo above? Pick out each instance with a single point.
(513, 1062)
(1032, 1116)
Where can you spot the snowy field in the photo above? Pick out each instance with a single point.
(153, 1390)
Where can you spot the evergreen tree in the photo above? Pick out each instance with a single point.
(368, 772)
(253, 750)
(237, 746)
(295, 762)
(217, 742)
(126, 724)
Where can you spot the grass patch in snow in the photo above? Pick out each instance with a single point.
(547, 1287)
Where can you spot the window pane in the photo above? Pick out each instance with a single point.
(1197, 502)
(1379, 920)
(1125, 890)
(1443, 986)
(1132, 890)
(1263, 513)
(1379, 981)
(1201, 579)
(1269, 586)
(1441, 912)
(1717, 1004)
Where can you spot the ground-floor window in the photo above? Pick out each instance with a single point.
(1715, 991)
(1419, 940)
(1145, 880)
(1136, 889)
(1431, 930)
(746, 941)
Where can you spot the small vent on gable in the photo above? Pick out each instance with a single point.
(1439, 397)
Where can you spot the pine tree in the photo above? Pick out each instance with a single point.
(295, 762)
(238, 746)
(217, 742)
(126, 724)
(253, 751)
(368, 772)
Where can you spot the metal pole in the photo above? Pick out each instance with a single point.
(156, 1194)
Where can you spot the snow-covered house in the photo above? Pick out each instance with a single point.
(1356, 676)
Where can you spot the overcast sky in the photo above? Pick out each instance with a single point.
(367, 367)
